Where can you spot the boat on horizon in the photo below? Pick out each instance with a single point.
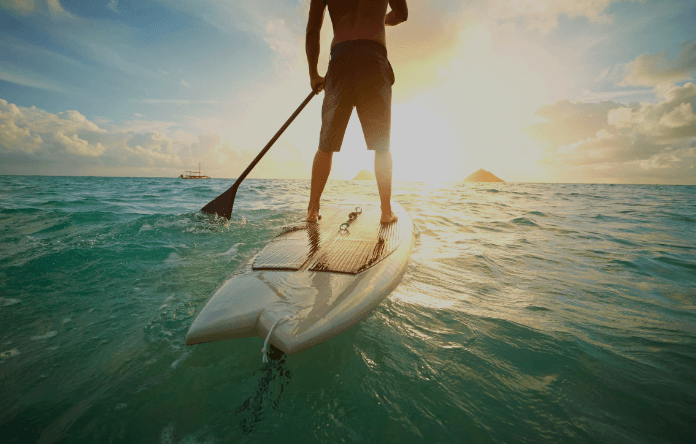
(194, 174)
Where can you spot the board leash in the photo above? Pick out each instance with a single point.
(264, 350)
(343, 229)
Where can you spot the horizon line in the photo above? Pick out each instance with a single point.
(350, 180)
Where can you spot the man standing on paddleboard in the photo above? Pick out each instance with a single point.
(359, 76)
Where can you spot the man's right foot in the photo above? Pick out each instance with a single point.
(387, 219)
(313, 217)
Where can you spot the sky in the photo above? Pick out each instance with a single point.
(588, 91)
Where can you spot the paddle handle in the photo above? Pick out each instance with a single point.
(222, 205)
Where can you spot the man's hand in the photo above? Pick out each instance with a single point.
(317, 83)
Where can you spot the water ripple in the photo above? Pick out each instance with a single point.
(529, 312)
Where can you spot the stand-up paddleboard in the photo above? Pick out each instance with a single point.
(313, 281)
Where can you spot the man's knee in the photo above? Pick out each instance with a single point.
(323, 158)
(324, 154)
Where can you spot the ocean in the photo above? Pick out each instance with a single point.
(528, 313)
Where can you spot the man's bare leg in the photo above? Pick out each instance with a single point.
(320, 174)
(383, 173)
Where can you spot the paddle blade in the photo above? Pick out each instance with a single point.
(222, 205)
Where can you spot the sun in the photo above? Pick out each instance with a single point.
(423, 147)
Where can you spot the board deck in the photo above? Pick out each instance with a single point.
(311, 282)
(323, 246)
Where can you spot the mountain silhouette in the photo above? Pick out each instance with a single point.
(483, 176)
(365, 175)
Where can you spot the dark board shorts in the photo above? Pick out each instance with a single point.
(361, 77)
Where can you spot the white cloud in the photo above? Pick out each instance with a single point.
(25, 77)
(39, 135)
(74, 145)
(143, 126)
(151, 148)
(33, 141)
(13, 136)
(543, 15)
(566, 122)
(281, 38)
(626, 143)
(653, 69)
(672, 118)
(32, 130)
(113, 5)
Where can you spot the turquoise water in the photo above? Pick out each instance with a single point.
(529, 313)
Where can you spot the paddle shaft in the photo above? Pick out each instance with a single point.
(222, 205)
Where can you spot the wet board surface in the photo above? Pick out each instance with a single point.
(312, 281)
(324, 246)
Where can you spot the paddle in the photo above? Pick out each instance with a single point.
(222, 205)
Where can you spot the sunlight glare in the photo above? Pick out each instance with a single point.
(423, 148)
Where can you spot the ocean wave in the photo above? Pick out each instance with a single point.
(528, 312)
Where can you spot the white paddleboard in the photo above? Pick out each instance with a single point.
(311, 282)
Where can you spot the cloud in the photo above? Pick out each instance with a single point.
(54, 8)
(26, 7)
(143, 126)
(79, 147)
(107, 42)
(36, 135)
(653, 69)
(672, 118)
(245, 16)
(565, 122)
(150, 148)
(429, 40)
(417, 48)
(30, 130)
(543, 15)
(113, 5)
(625, 143)
(33, 141)
(25, 77)
(281, 38)
(23, 7)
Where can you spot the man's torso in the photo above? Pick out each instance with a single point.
(358, 19)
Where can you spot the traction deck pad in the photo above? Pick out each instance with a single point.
(322, 246)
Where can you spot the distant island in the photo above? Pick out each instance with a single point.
(483, 176)
(365, 175)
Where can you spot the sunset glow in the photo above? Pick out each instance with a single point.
(546, 90)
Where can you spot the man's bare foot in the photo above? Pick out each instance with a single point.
(313, 217)
(388, 218)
